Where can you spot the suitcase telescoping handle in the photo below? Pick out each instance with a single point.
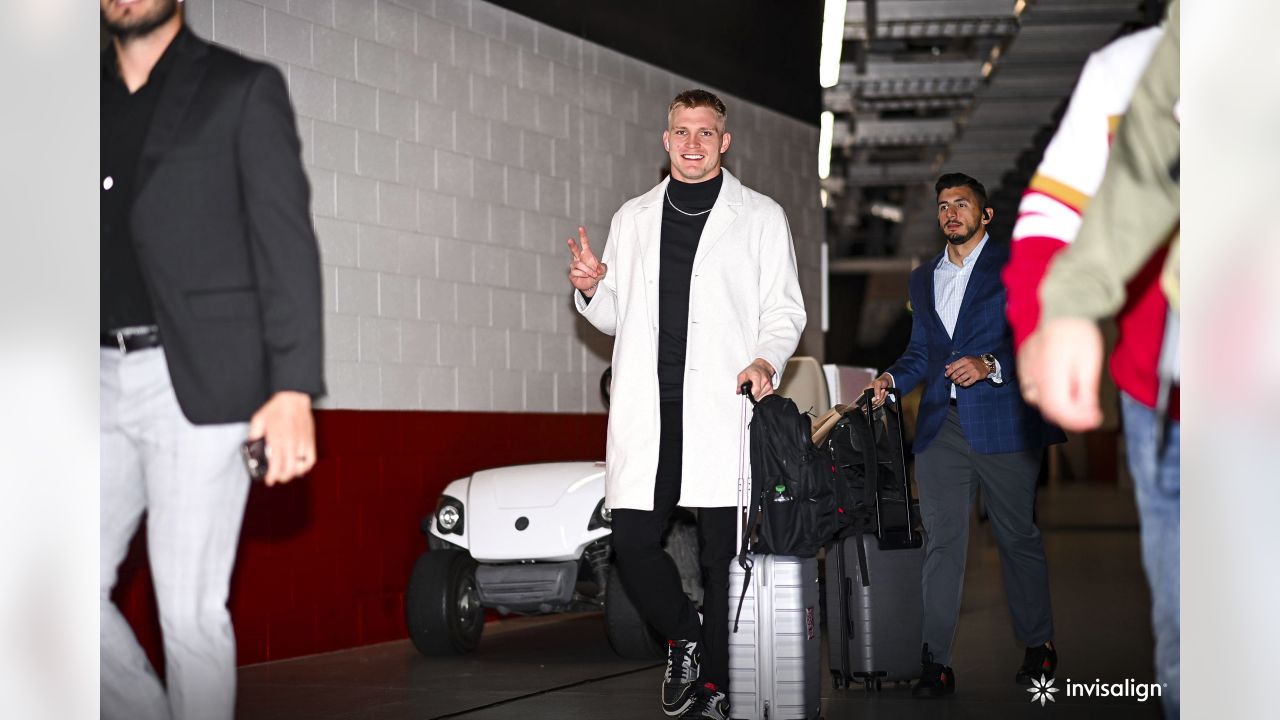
(744, 489)
(744, 460)
(894, 442)
(897, 449)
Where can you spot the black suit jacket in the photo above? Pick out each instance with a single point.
(222, 227)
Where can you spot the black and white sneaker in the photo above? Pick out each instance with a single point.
(684, 664)
(708, 702)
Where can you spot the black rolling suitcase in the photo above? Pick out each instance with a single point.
(874, 597)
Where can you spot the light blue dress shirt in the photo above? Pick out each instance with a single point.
(949, 283)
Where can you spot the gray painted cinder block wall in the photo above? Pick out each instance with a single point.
(452, 146)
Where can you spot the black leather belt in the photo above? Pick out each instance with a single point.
(132, 339)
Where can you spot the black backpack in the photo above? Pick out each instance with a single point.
(792, 508)
(846, 446)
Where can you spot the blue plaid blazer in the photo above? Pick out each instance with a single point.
(994, 417)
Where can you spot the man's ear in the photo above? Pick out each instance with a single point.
(724, 143)
(666, 140)
(987, 215)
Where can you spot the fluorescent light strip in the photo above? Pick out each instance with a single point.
(832, 43)
(826, 126)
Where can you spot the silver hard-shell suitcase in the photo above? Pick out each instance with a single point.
(774, 637)
(774, 655)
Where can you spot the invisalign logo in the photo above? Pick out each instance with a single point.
(1127, 689)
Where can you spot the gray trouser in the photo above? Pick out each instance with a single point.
(948, 475)
(192, 485)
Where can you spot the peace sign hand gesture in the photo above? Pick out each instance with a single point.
(585, 270)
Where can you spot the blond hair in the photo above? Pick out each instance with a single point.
(696, 98)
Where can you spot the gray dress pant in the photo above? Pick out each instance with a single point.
(948, 475)
(191, 483)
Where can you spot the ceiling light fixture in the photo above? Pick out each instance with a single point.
(832, 43)
(826, 128)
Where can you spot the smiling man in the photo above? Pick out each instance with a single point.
(973, 430)
(698, 285)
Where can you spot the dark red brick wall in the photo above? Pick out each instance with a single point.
(324, 560)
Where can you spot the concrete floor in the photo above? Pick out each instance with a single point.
(562, 667)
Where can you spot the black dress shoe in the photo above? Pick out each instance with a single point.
(1037, 662)
(936, 680)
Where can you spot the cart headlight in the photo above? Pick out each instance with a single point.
(449, 516)
(600, 517)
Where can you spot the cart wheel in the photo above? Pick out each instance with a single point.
(877, 684)
(838, 682)
(867, 685)
(442, 607)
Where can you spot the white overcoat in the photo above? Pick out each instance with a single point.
(744, 303)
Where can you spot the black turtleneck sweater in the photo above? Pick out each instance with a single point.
(679, 244)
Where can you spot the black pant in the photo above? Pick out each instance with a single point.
(649, 575)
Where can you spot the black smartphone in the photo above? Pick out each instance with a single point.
(255, 457)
